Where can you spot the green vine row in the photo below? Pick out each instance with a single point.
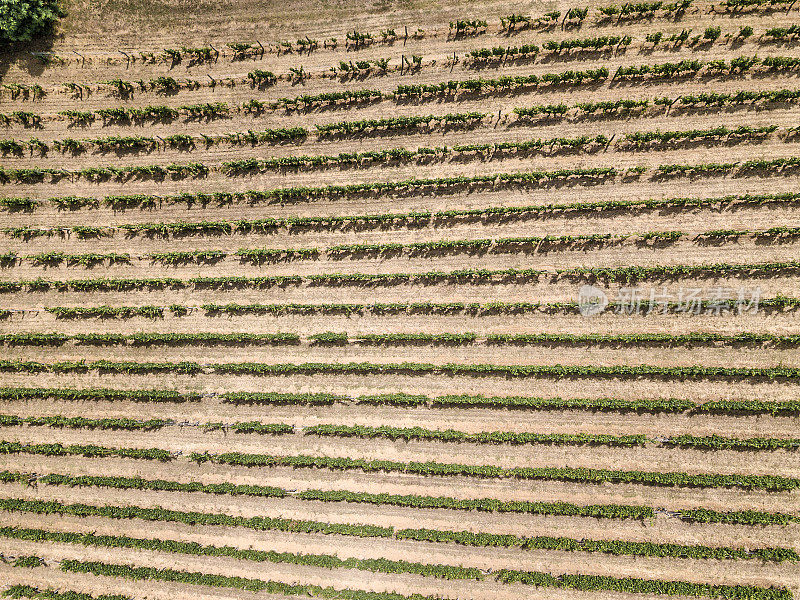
(624, 274)
(578, 475)
(326, 561)
(774, 408)
(688, 373)
(474, 309)
(581, 582)
(598, 511)
(97, 394)
(34, 593)
(695, 339)
(85, 450)
(426, 535)
(124, 115)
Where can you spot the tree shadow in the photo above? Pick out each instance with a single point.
(30, 57)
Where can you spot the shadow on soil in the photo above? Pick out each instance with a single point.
(28, 56)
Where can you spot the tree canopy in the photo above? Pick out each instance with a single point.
(23, 20)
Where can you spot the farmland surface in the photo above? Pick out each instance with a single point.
(294, 302)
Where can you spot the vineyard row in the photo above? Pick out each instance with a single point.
(635, 141)
(326, 561)
(625, 274)
(34, 593)
(770, 483)
(523, 245)
(455, 339)
(713, 442)
(176, 171)
(597, 511)
(619, 372)
(573, 18)
(259, 79)
(465, 538)
(646, 307)
(520, 180)
(774, 408)
(623, 108)
(269, 225)
(579, 582)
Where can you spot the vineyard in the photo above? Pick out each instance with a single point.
(400, 301)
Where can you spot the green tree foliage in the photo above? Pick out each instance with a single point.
(22, 20)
